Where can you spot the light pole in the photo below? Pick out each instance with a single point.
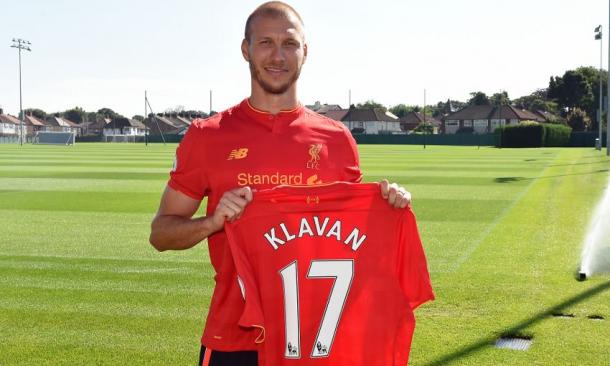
(608, 109)
(598, 36)
(20, 44)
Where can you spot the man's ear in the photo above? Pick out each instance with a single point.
(304, 52)
(244, 50)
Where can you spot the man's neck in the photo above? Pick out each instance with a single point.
(273, 103)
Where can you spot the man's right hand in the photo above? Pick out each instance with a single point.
(231, 206)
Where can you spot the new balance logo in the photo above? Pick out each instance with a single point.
(238, 153)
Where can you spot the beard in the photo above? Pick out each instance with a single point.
(267, 87)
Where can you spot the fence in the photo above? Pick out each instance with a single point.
(455, 139)
(577, 139)
(585, 139)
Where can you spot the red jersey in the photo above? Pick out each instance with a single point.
(330, 274)
(246, 147)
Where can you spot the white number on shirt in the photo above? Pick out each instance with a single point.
(342, 271)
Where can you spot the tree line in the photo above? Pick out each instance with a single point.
(79, 115)
(573, 98)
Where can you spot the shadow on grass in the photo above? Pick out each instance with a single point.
(579, 164)
(518, 179)
(509, 179)
(520, 328)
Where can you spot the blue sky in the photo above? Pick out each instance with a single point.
(96, 54)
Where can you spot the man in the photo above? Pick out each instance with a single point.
(267, 140)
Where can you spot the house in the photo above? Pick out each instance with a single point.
(486, 118)
(33, 125)
(96, 127)
(372, 121)
(59, 124)
(9, 125)
(165, 124)
(413, 119)
(550, 117)
(124, 126)
(323, 108)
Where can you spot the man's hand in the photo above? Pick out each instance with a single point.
(397, 196)
(231, 206)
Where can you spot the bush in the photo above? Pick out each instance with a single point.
(556, 135)
(533, 134)
(521, 135)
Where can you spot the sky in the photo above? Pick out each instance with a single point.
(95, 54)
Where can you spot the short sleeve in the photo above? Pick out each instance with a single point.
(352, 167)
(187, 175)
(412, 265)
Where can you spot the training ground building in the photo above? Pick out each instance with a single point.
(486, 118)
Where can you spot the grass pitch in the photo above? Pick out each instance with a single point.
(503, 230)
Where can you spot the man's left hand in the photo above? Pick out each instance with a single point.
(397, 196)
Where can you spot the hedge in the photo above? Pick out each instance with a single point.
(533, 134)
(556, 135)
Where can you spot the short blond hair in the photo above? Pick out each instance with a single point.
(271, 9)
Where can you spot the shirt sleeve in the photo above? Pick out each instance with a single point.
(352, 168)
(412, 266)
(187, 176)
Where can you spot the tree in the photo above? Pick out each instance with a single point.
(38, 113)
(448, 107)
(138, 117)
(194, 113)
(401, 110)
(91, 116)
(536, 101)
(500, 98)
(578, 120)
(478, 98)
(426, 128)
(76, 114)
(108, 113)
(578, 88)
(371, 104)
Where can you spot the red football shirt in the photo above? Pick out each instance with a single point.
(246, 147)
(331, 275)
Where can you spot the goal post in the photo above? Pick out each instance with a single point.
(55, 138)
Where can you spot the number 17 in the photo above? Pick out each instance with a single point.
(342, 271)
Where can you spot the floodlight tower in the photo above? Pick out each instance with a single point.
(608, 109)
(21, 44)
(598, 36)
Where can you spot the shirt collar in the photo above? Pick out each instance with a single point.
(267, 118)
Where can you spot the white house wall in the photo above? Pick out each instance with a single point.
(8, 129)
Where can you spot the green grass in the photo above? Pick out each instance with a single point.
(503, 229)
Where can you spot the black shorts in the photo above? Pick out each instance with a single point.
(208, 357)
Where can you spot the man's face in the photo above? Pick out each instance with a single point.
(276, 52)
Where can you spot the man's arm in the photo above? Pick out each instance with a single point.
(174, 227)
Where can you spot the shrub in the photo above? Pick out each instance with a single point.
(529, 134)
(533, 134)
(556, 135)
